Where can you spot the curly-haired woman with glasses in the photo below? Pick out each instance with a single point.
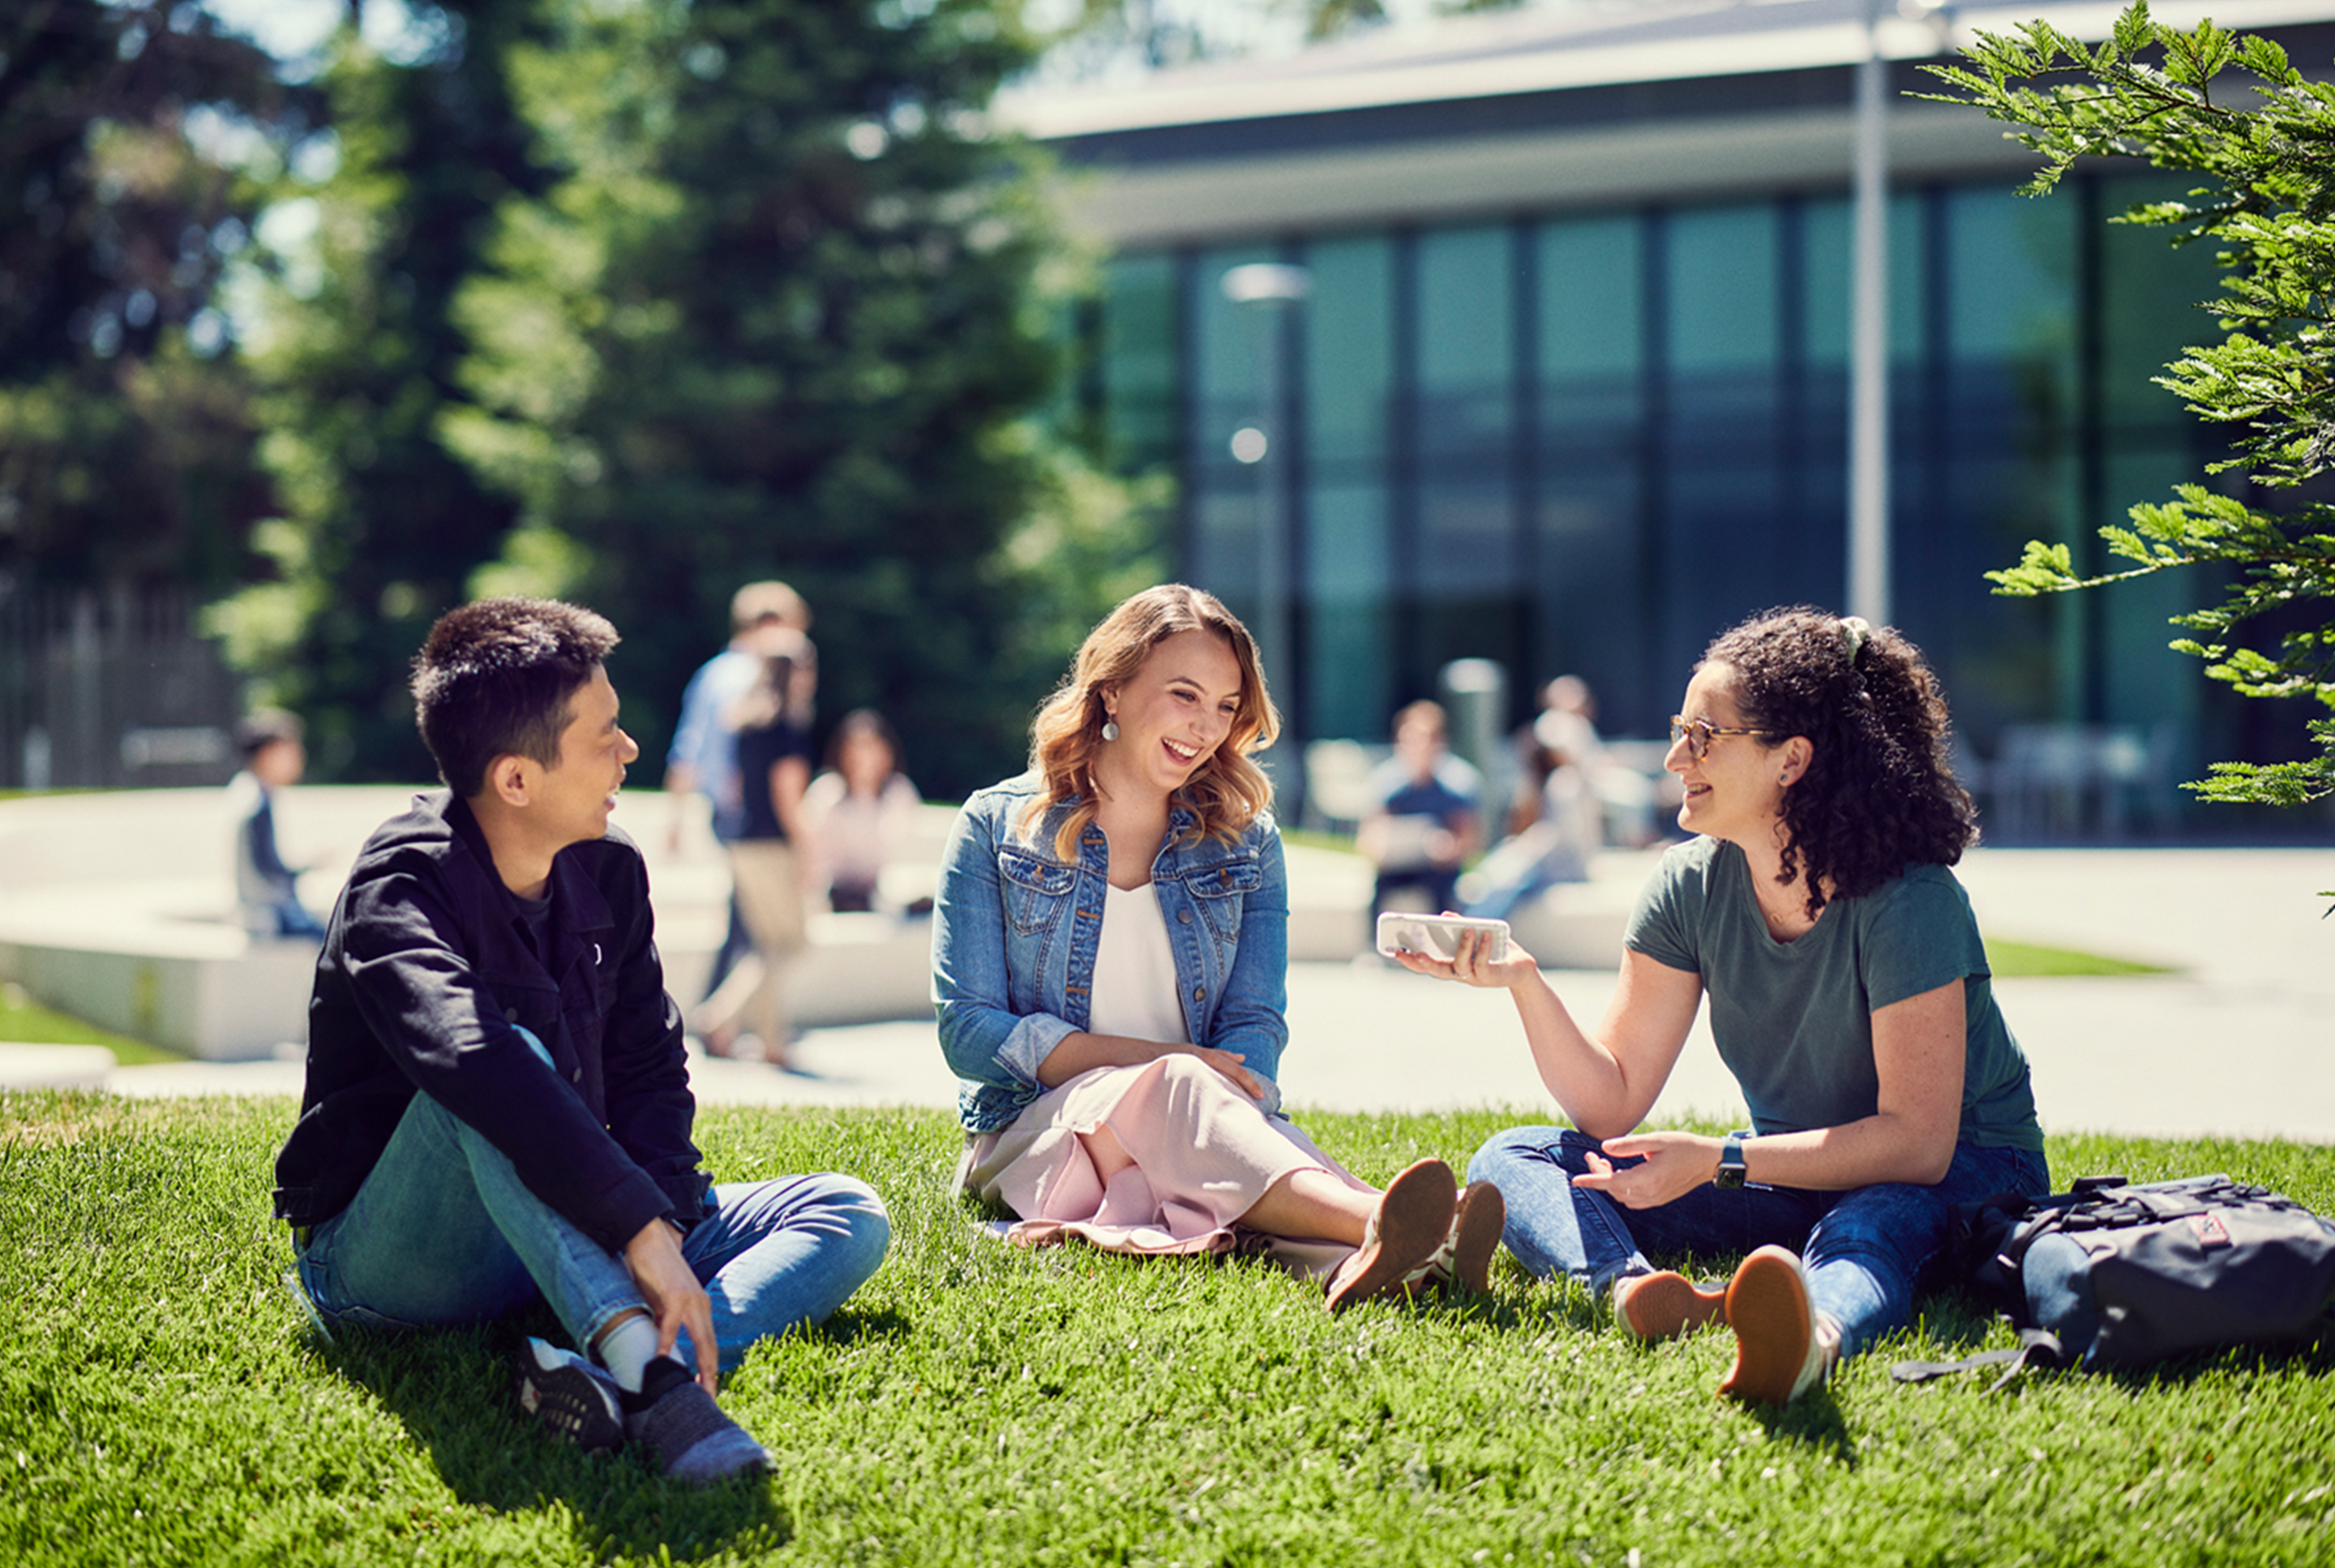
(1849, 996)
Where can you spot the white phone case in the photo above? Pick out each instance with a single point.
(1437, 935)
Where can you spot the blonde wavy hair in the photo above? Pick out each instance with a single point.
(1228, 792)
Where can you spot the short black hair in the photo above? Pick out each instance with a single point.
(495, 678)
(257, 731)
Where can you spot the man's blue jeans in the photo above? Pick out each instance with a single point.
(443, 1232)
(1867, 1250)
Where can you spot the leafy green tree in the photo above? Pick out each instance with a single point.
(358, 356)
(125, 438)
(787, 311)
(2233, 112)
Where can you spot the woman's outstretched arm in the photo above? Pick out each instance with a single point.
(1605, 1082)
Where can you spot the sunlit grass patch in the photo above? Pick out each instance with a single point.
(28, 1022)
(2027, 960)
(161, 1400)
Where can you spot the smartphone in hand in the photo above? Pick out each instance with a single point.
(1437, 935)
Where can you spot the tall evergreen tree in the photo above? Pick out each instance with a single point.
(125, 440)
(380, 527)
(782, 313)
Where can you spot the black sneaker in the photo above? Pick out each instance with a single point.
(684, 1431)
(569, 1395)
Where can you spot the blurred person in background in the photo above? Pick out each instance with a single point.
(860, 811)
(267, 888)
(1422, 827)
(1557, 843)
(772, 736)
(704, 756)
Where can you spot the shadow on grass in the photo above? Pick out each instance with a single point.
(453, 1391)
(2306, 1358)
(1812, 1421)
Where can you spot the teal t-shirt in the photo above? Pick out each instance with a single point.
(1793, 1020)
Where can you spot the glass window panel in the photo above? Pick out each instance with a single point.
(2011, 264)
(1828, 261)
(1466, 525)
(1349, 350)
(1139, 359)
(2006, 469)
(1723, 461)
(1224, 545)
(2147, 683)
(1349, 654)
(2149, 294)
(1587, 610)
(1591, 300)
(1722, 290)
(1466, 325)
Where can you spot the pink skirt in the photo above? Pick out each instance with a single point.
(1204, 1155)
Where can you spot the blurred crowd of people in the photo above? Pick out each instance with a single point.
(801, 834)
(805, 832)
(1427, 810)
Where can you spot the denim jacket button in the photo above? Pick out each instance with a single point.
(1199, 993)
(1183, 916)
(510, 1014)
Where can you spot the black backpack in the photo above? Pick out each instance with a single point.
(2118, 1276)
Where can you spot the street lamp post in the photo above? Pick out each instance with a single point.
(1264, 287)
(1868, 431)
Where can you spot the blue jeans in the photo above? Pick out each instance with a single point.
(443, 1232)
(1867, 1250)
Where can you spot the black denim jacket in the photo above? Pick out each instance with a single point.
(426, 968)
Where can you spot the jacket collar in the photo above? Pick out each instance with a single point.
(582, 906)
(1181, 819)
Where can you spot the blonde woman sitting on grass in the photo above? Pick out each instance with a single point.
(1109, 958)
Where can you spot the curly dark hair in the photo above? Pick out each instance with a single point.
(1880, 792)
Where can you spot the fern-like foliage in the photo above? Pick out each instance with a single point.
(2233, 111)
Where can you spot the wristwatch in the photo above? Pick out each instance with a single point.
(1731, 1161)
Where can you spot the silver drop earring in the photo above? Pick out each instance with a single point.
(1111, 728)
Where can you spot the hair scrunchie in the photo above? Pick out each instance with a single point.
(1853, 631)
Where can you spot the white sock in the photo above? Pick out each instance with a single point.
(627, 1349)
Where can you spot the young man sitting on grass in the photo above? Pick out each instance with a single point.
(497, 1103)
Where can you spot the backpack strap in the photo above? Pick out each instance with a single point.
(2037, 1347)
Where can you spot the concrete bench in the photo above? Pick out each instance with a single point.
(117, 908)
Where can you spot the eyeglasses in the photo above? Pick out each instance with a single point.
(1699, 733)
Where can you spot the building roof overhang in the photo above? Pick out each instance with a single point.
(1543, 110)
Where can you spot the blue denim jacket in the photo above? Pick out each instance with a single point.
(1015, 931)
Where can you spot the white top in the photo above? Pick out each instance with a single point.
(1135, 970)
(856, 836)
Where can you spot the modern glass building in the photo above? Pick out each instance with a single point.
(1570, 386)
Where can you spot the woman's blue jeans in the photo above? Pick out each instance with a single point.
(443, 1232)
(1867, 1250)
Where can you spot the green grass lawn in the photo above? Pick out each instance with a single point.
(28, 1022)
(2027, 960)
(161, 1400)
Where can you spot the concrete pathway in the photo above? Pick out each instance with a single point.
(2237, 1043)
